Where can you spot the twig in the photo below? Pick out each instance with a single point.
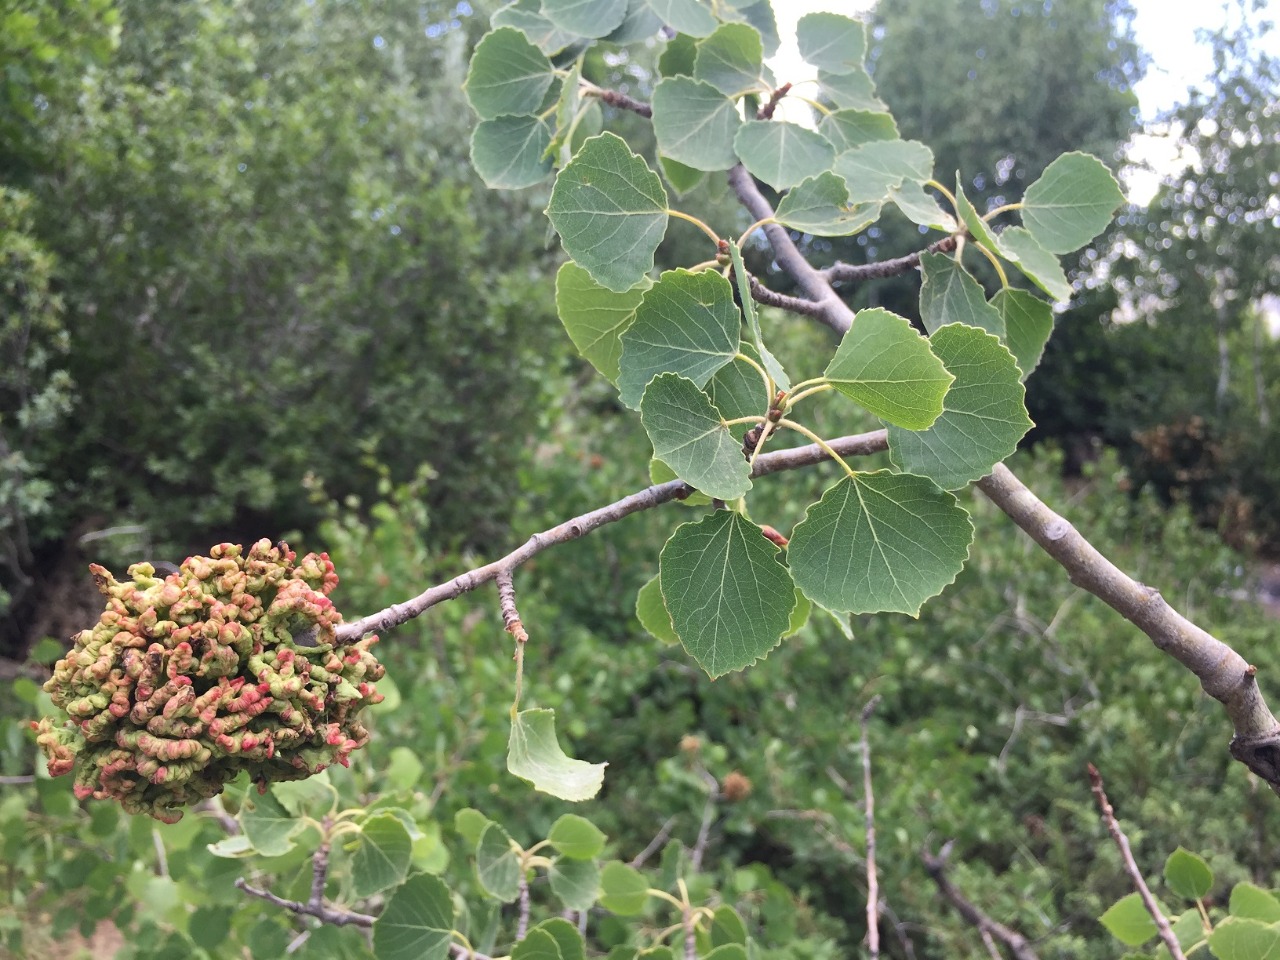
(704, 828)
(1222, 672)
(840, 272)
(321, 911)
(1131, 867)
(936, 866)
(580, 526)
(771, 298)
(766, 109)
(615, 98)
(869, 813)
(320, 871)
(656, 844)
(522, 923)
(507, 600)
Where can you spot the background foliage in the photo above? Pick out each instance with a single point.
(252, 286)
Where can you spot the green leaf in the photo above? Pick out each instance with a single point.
(686, 323)
(510, 152)
(1128, 921)
(983, 414)
(470, 824)
(820, 206)
(888, 368)
(315, 796)
(659, 472)
(799, 615)
(782, 154)
(689, 437)
(737, 390)
(730, 599)
(565, 934)
(1188, 875)
(873, 169)
(268, 825)
(1071, 203)
(534, 754)
(507, 75)
(536, 945)
(846, 129)
(878, 542)
(209, 926)
(951, 295)
(575, 882)
(382, 857)
(576, 837)
(1187, 929)
(234, 847)
(729, 951)
(651, 611)
(1249, 901)
(730, 59)
(1028, 324)
(587, 18)
(677, 57)
(852, 91)
(595, 317)
(641, 23)
(752, 317)
(694, 123)
(1040, 266)
(416, 923)
(681, 178)
(404, 769)
(834, 44)
(727, 927)
(919, 206)
(623, 890)
(497, 866)
(685, 16)
(759, 15)
(978, 228)
(526, 16)
(610, 211)
(1238, 939)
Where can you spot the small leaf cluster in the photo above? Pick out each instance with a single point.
(1249, 930)
(229, 665)
(686, 349)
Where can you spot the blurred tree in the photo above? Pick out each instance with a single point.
(267, 244)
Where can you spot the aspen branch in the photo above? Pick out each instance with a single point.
(1131, 867)
(845, 272)
(1222, 672)
(936, 867)
(869, 815)
(580, 526)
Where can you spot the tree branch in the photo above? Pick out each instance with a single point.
(771, 298)
(576, 527)
(1131, 867)
(321, 911)
(936, 866)
(869, 816)
(845, 272)
(1222, 672)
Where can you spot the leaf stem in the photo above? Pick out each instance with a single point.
(995, 262)
(663, 895)
(715, 238)
(822, 444)
(822, 108)
(951, 197)
(704, 265)
(753, 228)
(770, 388)
(999, 210)
(796, 396)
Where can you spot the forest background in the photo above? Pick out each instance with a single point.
(250, 286)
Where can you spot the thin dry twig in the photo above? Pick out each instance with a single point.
(936, 867)
(321, 911)
(576, 527)
(657, 843)
(840, 272)
(1131, 866)
(869, 813)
